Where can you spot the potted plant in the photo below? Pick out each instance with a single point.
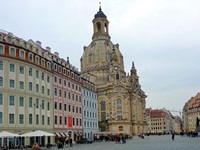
(60, 144)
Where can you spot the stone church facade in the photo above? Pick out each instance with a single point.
(121, 101)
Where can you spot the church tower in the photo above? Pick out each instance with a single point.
(121, 102)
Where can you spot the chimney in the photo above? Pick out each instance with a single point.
(56, 53)
(39, 43)
(48, 49)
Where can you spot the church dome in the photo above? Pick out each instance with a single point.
(100, 14)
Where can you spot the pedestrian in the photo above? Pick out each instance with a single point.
(70, 141)
(173, 135)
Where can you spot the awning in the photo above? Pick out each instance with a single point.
(80, 134)
(57, 134)
(66, 134)
(62, 134)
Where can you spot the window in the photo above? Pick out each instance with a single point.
(55, 91)
(65, 94)
(30, 57)
(21, 101)
(17, 42)
(43, 76)
(11, 100)
(119, 104)
(1, 81)
(60, 106)
(60, 81)
(103, 116)
(60, 93)
(42, 119)
(9, 39)
(21, 54)
(1, 118)
(55, 120)
(119, 115)
(103, 105)
(55, 105)
(69, 95)
(42, 89)
(60, 120)
(65, 120)
(73, 121)
(48, 91)
(12, 83)
(37, 103)
(30, 86)
(48, 79)
(1, 49)
(25, 44)
(37, 88)
(43, 63)
(37, 119)
(11, 119)
(30, 102)
(65, 107)
(30, 119)
(42, 104)
(37, 74)
(21, 119)
(37, 60)
(65, 83)
(69, 108)
(77, 121)
(21, 84)
(68, 84)
(48, 106)
(12, 52)
(21, 70)
(55, 79)
(1, 99)
(30, 72)
(12, 68)
(1, 65)
(48, 120)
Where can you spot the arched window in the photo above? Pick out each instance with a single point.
(105, 28)
(90, 58)
(108, 56)
(98, 26)
(119, 103)
(1, 65)
(1, 81)
(30, 119)
(30, 86)
(103, 105)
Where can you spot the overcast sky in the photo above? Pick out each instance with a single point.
(162, 37)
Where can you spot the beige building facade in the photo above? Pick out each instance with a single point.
(121, 101)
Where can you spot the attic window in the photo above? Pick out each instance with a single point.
(9, 39)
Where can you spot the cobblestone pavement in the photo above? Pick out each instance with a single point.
(154, 142)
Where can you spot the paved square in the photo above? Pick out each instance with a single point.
(155, 142)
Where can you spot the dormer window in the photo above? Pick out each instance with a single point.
(0, 37)
(36, 51)
(25, 44)
(9, 39)
(17, 42)
(42, 54)
(31, 47)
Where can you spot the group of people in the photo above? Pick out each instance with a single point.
(120, 140)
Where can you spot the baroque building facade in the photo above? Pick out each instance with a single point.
(121, 101)
(26, 99)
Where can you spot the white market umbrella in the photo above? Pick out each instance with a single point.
(5, 134)
(36, 134)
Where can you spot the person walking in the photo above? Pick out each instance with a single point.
(173, 135)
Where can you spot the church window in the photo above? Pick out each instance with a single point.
(119, 103)
(103, 116)
(119, 89)
(108, 56)
(98, 26)
(105, 27)
(90, 58)
(117, 76)
(103, 105)
(119, 115)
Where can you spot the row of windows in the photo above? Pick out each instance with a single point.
(118, 104)
(66, 72)
(37, 60)
(21, 119)
(92, 104)
(21, 102)
(90, 124)
(69, 84)
(70, 108)
(75, 121)
(89, 94)
(22, 71)
(90, 114)
(153, 128)
(12, 84)
(78, 98)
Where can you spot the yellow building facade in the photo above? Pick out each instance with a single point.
(121, 101)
